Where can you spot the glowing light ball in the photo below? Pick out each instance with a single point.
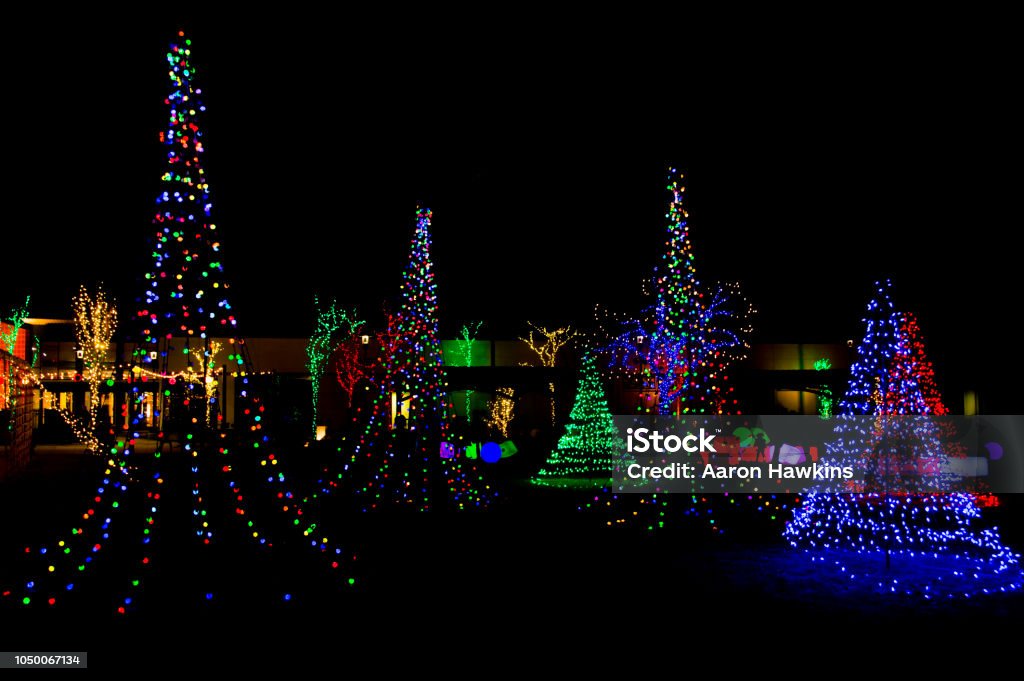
(490, 452)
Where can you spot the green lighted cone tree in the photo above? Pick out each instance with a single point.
(405, 450)
(591, 446)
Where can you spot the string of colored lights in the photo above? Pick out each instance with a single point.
(546, 347)
(371, 372)
(591, 446)
(152, 486)
(929, 537)
(59, 566)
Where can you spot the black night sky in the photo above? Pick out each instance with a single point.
(544, 166)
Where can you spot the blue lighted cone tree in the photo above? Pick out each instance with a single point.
(898, 512)
(405, 457)
(591, 447)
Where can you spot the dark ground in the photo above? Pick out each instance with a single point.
(532, 576)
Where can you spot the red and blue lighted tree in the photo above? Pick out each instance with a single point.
(905, 508)
(679, 349)
(407, 458)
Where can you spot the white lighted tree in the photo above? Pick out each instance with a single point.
(546, 345)
(95, 323)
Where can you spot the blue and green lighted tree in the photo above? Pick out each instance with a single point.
(682, 346)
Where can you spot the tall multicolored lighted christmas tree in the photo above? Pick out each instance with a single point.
(904, 515)
(679, 350)
(404, 452)
(186, 292)
(184, 305)
(185, 301)
(591, 447)
(683, 345)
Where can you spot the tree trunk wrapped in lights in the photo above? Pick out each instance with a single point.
(546, 346)
(502, 411)
(332, 324)
(95, 323)
(9, 339)
(465, 342)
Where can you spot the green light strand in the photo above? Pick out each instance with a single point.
(825, 399)
(329, 323)
(465, 345)
(16, 319)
